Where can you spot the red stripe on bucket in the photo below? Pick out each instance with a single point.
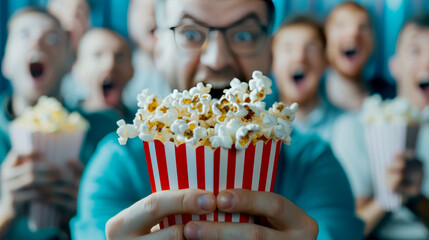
(230, 177)
(201, 178)
(249, 160)
(163, 172)
(182, 169)
(216, 166)
(149, 166)
(264, 165)
(182, 175)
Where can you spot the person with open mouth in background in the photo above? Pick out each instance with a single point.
(103, 66)
(102, 69)
(350, 44)
(35, 60)
(298, 65)
(406, 175)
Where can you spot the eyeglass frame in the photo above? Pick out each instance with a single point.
(265, 30)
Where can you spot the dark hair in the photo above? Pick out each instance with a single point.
(308, 21)
(30, 10)
(350, 5)
(271, 13)
(420, 20)
(160, 12)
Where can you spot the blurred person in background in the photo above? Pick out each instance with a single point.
(195, 45)
(299, 62)
(103, 66)
(73, 16)
(141, 28)
(350, 43)
(35, 60)
(102, 69)
(410, 68)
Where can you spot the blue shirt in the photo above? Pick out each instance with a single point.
(308, 175)
(321, 120)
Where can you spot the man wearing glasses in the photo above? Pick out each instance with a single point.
(213, 41)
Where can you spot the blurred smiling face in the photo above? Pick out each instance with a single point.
(410, 65)
(104, 65)
(298, 62)
(349, 40)
(185, 58)
(35, 56)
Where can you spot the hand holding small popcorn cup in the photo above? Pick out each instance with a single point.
(193, 141)
(391, 130)
(48, 129)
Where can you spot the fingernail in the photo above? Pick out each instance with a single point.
(205, 202)
(225, 200)
(192, 231)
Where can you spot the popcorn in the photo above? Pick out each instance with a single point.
(259, 86)
(126, 131)
(398, 110)
(188, 132)
(49, 116)
(281, 110)
(268, 123)
(244, 135)
(237, 119)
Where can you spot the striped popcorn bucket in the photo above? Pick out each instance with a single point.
(56, 148)
(384, 142)
(174, 167)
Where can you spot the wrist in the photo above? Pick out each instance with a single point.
(7, 212)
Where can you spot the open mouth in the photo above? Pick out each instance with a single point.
(351, 52)
(36, 69)
(298, 76)
(108, 86)
(424, 86)
(216, 92)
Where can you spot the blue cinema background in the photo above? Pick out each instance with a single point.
(388, 16)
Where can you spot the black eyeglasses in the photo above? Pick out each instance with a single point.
(243, 38)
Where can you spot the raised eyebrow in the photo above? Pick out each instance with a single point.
(202, 23)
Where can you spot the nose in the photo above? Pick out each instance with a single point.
(108, 62)
(36, 40)
(353, 31)
(299, 55)
(215, 53)
(425, 60)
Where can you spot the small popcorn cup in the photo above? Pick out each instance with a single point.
(383, 142)
(57, 148)
(174, 167)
